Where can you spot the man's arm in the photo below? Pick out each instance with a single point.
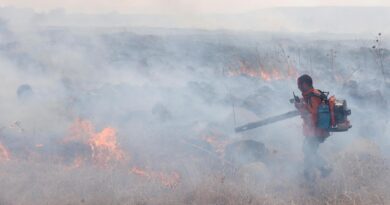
(313, 109)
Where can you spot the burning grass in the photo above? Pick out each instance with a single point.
(360, 176)
(103, 145)
(264, 74)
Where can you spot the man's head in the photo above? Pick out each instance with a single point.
(305, 83)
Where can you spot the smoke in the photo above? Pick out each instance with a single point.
(130, 116)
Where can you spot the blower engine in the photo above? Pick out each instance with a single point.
(339, 112)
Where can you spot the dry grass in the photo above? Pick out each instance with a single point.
(360, 177)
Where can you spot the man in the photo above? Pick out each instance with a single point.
(314, 136)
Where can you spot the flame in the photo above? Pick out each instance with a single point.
(104, 146)
(249, 72)
(4, 153)
(266, 75)
(170, 180)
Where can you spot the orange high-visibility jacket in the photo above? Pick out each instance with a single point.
(308, 111)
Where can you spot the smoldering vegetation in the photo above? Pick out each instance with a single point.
(128, 116)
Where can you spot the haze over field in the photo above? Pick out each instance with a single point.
(181, 6)
(109, 108)
(320, 20)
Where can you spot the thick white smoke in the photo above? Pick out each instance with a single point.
(174, 97)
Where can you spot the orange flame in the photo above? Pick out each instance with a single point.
(4, 154)
(266, 75)
(171, 180)
(103, 144)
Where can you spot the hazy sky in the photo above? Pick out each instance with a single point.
(178, 6)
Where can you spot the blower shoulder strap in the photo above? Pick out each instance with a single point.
(322, 95)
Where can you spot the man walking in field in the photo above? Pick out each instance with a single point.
(314, 136)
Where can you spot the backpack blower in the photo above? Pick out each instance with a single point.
(332, 114)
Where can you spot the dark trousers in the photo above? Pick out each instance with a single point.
(312, 160)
